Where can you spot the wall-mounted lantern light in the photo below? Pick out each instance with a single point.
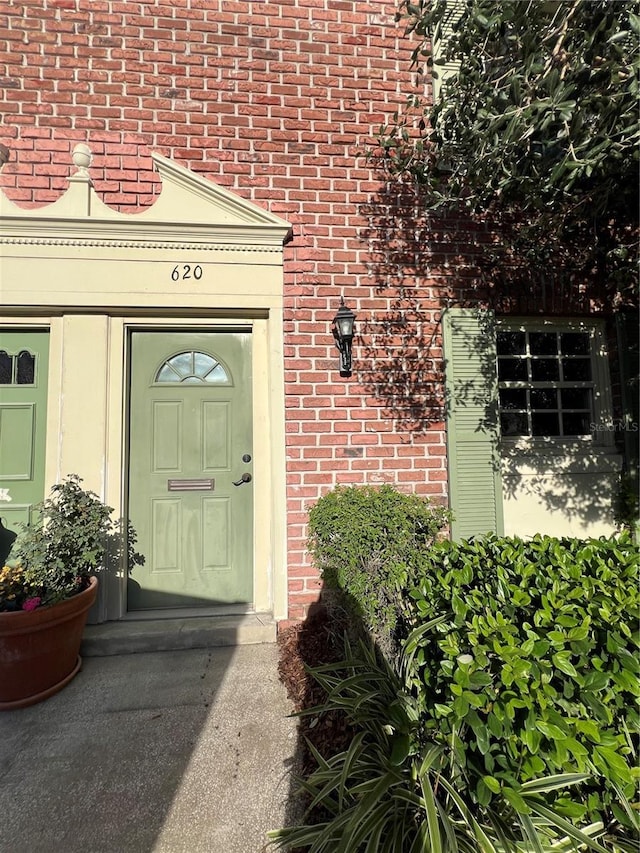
(343, 333)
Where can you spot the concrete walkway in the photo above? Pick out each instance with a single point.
(161, 752)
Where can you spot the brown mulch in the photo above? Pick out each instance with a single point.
(313, 642)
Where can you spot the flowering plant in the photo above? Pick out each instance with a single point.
(16, 592)
(53, 558)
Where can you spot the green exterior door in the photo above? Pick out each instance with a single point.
(24, 369)
(190, 447)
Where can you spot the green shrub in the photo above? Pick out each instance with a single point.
(363, 539)
(72, 537)
(531, 669)
(390, 790)
(66, 543)
(510, 722)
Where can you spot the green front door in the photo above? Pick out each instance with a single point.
(24, 368)
(190, 468)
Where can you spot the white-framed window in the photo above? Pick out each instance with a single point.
(552, 380)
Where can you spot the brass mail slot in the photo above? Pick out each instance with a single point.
(191, 485)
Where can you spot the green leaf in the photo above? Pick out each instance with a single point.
(516, 800)
(576, 748)
(550, 731)
(433, 823)
(571, 809)
(494, 725)
(532, 739)
(482, 738)
(615, 762)
(552, 783)
(492, 784)
(401, 744)
(584, 838)
(595, 680)
(476, 700)
(561, 660)
(590, 729)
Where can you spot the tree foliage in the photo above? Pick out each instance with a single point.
(536, 129)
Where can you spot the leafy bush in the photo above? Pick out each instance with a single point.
(390, 790)
(363, 539)
(524, 660)
(54, 557)
(510, 722)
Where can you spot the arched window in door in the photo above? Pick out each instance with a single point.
(192, 368)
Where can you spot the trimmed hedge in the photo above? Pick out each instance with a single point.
(519, 658)
(532, 667)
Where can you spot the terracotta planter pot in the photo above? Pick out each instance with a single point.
(39, 649)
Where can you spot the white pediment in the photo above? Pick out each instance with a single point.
(187, 203)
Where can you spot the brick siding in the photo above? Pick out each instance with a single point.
(276, 101)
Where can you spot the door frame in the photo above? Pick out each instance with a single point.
(269, 536)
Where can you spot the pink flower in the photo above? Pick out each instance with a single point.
(31, 603)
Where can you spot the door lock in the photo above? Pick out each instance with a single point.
(246, 478)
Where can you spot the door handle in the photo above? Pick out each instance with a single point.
(246, 478)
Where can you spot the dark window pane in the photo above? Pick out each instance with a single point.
(511, 343)
(576, 369)
(574, 343)
(512, 370)
(513, 423)
(544, 370)
(576, 398)
(26, 368)
(545, 423)
(6, 368)
(544, 398)
(543, 343)
(513, 398)
(576, 423)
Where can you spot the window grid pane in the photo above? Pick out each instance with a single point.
(6, 368)
(545, 383)
(26, 368)
(17, 369)
(192, 368)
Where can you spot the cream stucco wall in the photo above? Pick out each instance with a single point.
(560, 490)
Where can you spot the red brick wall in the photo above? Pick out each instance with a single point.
(276, 101)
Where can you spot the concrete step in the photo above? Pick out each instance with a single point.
(172, 634)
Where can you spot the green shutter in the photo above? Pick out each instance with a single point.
(475, 489)
(450, 68)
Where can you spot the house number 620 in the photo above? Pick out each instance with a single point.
(181, 272)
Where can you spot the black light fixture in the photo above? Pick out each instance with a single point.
(343, 333)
